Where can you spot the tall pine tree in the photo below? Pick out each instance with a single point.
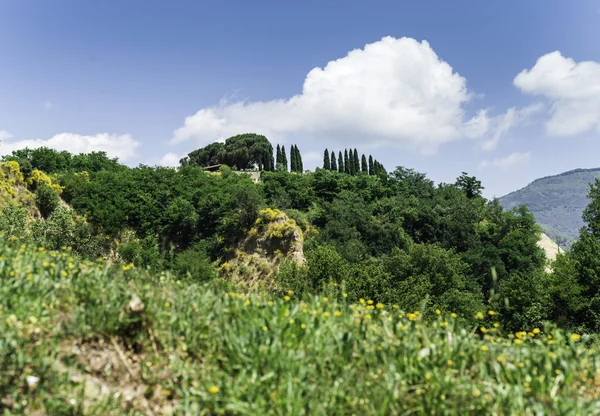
(333, 162)
(371, 167)
(284, 159)
(326, 160)
(363, 163)
(347, 167)
(341, 168)
(356, 161)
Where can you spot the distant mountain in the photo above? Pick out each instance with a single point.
(557, 202)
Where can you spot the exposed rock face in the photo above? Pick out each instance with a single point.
(275, 237)
(551, 249)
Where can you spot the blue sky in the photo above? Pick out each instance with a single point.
(431, 85)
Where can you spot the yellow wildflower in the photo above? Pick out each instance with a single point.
(438, 312)
(337, 313)
(213, 389)
(536, 331)
(575, 337)
(380, 306)
(286, 297)
(325, 300)
(370, 302)
(484, 348)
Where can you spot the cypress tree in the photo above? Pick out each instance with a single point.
(371, 172)
(326, 160)
(278, 159)
(294, 158)
(333, 162)
(356, 162)
(340, 162)
(299, 163)
(347, 166)
(284, 159)
(365, 168)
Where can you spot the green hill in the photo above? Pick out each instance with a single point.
(557, 202)
(80, 337)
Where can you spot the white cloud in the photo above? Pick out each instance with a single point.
(170, 159)
(4, 135)
(394, 92)
(122, 146)
(572, 88)
(498, 126)
(48, 105)
(506, 162)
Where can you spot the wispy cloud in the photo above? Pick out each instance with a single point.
(506, 162)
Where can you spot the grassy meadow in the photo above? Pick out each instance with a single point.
(80, 337)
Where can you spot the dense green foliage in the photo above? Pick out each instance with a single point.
(392, 237)
(557, 202)
(80, 337)
(243, 151)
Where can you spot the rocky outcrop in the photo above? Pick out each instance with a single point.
(273, 238)
(551, 250)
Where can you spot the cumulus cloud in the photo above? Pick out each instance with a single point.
(122, 146)
(506, 162)
(394, 92)
(170, 160)
(573, 89)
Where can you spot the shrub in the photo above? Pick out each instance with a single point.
(195, 264)
(46, 199)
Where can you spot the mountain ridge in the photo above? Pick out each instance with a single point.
(557, 202)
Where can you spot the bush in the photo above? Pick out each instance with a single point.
(195, 264)
(46, 199)
(13, 222)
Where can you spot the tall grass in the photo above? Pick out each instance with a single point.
(187, 348)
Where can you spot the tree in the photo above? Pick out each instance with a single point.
(284, 159)
(243, 151)
(326, 160)
(364, 167)
(470, 185)
(293, 159)
(341, 167)
(299, 163)
(371, 166)
(278, 160)
(333, 164)
(347, 167)
(356, 163)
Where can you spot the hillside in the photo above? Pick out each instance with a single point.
(119, 340)
(557, 202)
